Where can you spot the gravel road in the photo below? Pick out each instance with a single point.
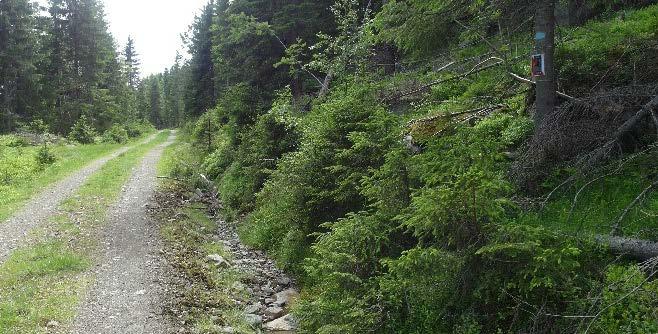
(129, 288)
(39, 209)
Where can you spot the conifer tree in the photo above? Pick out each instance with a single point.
(155, 102)
(131, 63)
(17, 62)
(200, 94)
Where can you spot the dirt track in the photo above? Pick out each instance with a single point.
(39, 209)
(129, 280)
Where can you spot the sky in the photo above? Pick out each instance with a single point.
(155, 25)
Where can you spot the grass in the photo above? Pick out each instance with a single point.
(43, 283)
(603, 200)
(21, 177)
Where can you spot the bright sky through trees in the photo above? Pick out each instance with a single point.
(154, 24)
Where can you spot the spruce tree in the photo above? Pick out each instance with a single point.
(17, 62)
(131, 63)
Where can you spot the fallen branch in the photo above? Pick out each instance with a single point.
(453, 78)
(171, 178)
(616, 228)
(530, 82)
(626, 128)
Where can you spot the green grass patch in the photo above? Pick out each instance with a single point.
(45, 282)
(594, 204)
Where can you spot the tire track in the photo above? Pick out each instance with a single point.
(127, 295)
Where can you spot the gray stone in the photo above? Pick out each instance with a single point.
(218, 260)
(286, 297)
(252, 309)
(273, 312)
(253, 320)
(285, 323)
(285, 281)
(52, 324)
(228, 330)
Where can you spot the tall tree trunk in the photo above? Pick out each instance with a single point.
(545, 47)
(576, 9)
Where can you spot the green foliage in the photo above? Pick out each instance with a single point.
(629, 303)
(83, 131)
(45, 156)
(136, 129)
(596, 49)
(116, 134)
(341, 141)
(465, 173)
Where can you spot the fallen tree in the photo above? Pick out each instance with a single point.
(638, 249)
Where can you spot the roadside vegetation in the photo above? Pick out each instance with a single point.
(41, 284)
(413, 189)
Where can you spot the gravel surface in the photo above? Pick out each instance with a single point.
(130, 278)
(39, 209)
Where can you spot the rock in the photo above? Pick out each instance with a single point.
(285, 281)
(253, 320)
(285, 323)
(269, 300)
(273, 312)
(227, 330)
(52, 324)
(286, 297)
(252, 309)
(218, 260)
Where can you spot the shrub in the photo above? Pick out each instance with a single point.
(116, 134)
(45, 156)
(135, 129)
(83, 131)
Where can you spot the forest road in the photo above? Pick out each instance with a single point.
(130, 277)
(39, 209)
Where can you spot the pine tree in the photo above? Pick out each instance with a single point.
(82, 73)
(200, 95)
(131, 63)
(155, 102)
(17, 62)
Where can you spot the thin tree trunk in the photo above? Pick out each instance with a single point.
(576, 8)
(545, 46)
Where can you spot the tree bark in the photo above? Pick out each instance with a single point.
(638, 249)
(545, 46)
(576, 9)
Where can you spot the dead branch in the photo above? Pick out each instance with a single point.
(626, 128)
(598, 314)
(455, 114)
(530, 82)
(474, 70)
(171, 178)
(325, 85)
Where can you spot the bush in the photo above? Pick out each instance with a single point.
(45, 156)
(135, 129)
(116, 134)
(83, 131)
